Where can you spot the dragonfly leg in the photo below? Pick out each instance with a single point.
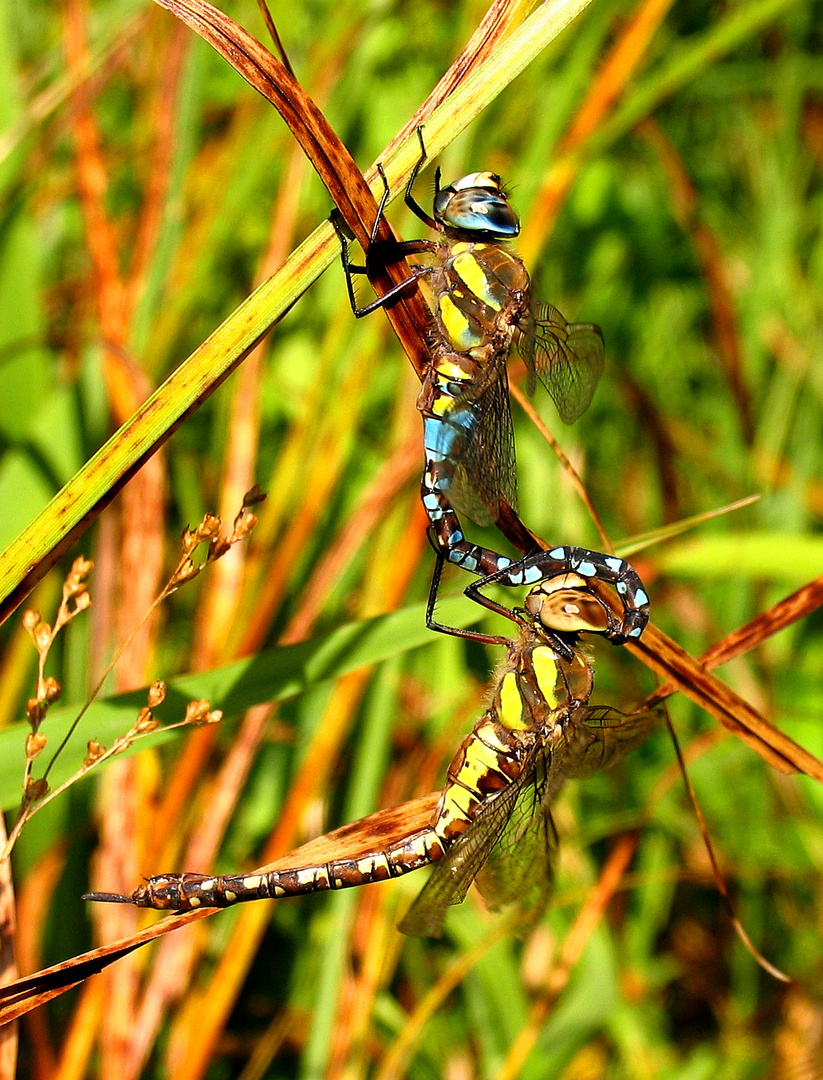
(442, 628)
(409, 198)
(399, 249)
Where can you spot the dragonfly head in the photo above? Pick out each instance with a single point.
(476, 204)
(566, 604)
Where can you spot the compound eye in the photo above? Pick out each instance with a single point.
(566, 604)
(485, 211)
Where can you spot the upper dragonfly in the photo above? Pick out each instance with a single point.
(492, 821)
(481, 301)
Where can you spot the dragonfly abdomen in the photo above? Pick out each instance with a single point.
(486, 763)
(186, 892)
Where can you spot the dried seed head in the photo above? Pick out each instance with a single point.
(81, 567)
(81, 602)
(42, 636)
(198, 712)
(209, 527)
(218, 548)
(36, 709)
(195, 710)
(145, 722)
(243, 525)
(254, 496)
(189, 541)
(157, 693)
(94, 752)
(74, 582)
(35, 789)
(34, 745)
(31, 620)
(214, 716)
(51, 690)
(185, 571)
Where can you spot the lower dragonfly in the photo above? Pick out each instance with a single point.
(492, 821)
(481, 302)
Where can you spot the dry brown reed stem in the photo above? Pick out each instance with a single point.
(34, 897)
(162, 123)
(8, 963)
(798, 605)
(671, 662)
(220, 604)
(138, 563)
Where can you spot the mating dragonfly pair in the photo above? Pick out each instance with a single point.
(492, 822)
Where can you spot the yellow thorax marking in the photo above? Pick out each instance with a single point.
(457, 325)
(511, 703)
(459, 800)
(449, 370)
(473, 274)
(488, 733)
(544, 662)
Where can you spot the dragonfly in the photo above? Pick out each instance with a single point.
(481, 301)
(492, 821)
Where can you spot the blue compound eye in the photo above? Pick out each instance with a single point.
(477, 204)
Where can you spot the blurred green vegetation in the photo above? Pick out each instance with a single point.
(146, 190)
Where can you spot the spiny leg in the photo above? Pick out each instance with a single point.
(442, 628)
(399, 249)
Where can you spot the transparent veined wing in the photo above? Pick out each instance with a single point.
(567, 358)
(485, 470)
(520, 867)
(596, 736)
(453, 874)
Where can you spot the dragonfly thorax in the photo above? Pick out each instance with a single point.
(476, 205)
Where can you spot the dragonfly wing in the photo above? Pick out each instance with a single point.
(598, 736)
(486, 469)
(520, 869)
(567, 358)
(453, 874)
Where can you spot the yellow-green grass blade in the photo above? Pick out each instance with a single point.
(73, 509)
